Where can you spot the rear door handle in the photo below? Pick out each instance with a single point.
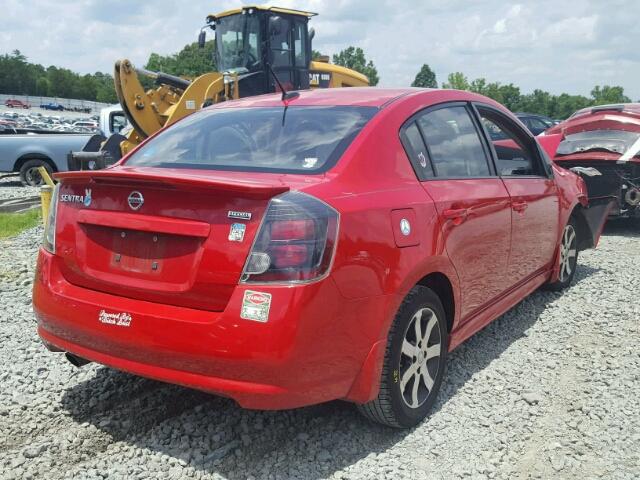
(519, 206)
(458, 215)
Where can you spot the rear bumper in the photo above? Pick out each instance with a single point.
(313, 348)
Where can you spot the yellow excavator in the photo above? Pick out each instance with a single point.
(253, 46)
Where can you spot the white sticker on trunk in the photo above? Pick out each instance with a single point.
(236, 233)
(190, 104)
(309, 162)
(255, 306)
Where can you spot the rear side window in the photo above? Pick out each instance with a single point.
(417, 151)
(454, 144)
(295, 140)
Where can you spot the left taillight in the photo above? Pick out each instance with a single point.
(49, 241)
(296, 241)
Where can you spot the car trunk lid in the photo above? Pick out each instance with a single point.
(179, 239)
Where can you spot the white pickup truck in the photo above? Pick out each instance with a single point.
(22, 153)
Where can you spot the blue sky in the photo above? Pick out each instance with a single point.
(555, 46)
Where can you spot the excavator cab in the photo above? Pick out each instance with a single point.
(250, 39)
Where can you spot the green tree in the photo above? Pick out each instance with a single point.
(315, 54)
(457, 81)
(426, 78)
(567, 104)
(42, 87)
(606, 94)
(479, 85)
(18, 76)
(191, 61)
(354, 58)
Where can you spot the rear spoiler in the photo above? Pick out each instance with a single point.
(182, 179)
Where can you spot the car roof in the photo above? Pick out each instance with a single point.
(354, 96)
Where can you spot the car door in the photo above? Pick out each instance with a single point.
(451, 159)
(535, 204)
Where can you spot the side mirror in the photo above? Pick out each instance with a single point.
(202, 38)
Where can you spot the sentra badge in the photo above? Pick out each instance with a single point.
(84, 199)
(239, 215)
(119, 319)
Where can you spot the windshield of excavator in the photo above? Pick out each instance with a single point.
(237, 41)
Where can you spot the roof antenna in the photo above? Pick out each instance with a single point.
(285, 95)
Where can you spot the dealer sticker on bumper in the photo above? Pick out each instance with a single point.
(255, 306)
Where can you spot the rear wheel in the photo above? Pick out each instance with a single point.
(414, 362)
(29, 174)
(567, 257)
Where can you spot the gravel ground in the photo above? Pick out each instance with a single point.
(11, 188)
(550, 390)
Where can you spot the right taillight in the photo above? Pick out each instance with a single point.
(295, 243)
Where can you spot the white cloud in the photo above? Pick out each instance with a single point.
(556, 46)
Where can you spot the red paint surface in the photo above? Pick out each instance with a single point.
(494, 240)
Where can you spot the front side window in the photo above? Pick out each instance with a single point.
(454, 144)
(513, 155)
(295, 140)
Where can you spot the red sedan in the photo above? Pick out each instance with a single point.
(333, 246)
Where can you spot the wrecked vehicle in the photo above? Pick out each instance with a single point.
(607, 139)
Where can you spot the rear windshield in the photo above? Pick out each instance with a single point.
(298, 139)
(615, 141)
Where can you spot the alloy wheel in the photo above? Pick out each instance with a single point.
(420, 357)
(568, 253)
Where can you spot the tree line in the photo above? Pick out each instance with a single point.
(18, 76)
(539, 101)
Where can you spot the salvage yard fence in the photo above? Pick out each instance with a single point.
(68, 103)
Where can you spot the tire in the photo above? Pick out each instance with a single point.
(396, 404)
(29, 175)
(567, 257)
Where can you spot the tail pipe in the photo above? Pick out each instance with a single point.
(75, 360)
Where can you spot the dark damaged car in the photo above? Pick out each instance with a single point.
(603, 143)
